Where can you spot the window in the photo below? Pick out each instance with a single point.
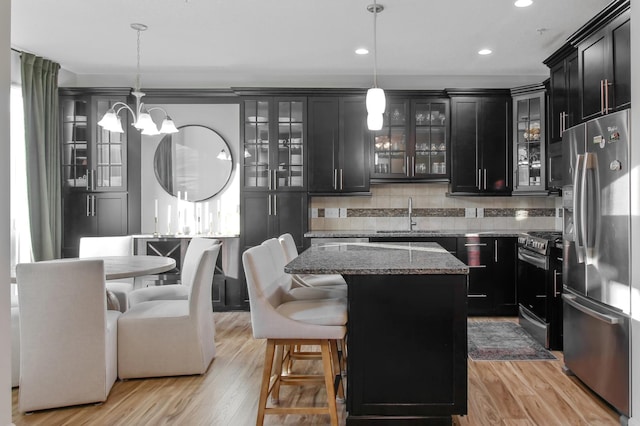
(20, 230)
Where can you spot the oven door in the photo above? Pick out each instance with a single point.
(532, 282)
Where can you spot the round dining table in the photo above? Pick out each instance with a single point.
(118, 267)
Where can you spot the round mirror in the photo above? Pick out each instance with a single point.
(196, 162)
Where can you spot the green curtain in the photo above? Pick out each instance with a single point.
(40, 96)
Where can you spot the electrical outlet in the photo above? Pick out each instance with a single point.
(331, 213)
(314, 213)
(343, 212)
(480, 212)
(469, 212)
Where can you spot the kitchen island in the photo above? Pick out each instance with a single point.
(407, 329)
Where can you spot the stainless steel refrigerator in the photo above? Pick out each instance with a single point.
(597, 294)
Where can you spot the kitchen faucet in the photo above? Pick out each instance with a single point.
(411, 222)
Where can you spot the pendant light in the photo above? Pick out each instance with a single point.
(142, 120)
(376, 102)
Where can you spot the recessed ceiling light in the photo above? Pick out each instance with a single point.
(362, 51)
(523, 3)
(484, 52)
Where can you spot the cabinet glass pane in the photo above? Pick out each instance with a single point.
(74, 143)
(528, 143)
(395, 115)
(430, 138)
(256, 143)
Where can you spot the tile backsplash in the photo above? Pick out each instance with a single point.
(387, 209)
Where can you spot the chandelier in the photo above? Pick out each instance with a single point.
(142, 120)
(376, 102)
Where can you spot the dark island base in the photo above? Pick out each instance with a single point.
(407, 349)
(397, 420)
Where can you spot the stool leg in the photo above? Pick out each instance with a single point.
(328, 381)
(266, 379)
(337, 373)
(277, 365)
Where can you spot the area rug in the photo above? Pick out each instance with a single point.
(503, 341)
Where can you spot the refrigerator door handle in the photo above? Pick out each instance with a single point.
(590, 200)
(577, 206)
(573, 302)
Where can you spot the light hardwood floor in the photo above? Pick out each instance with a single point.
(500, 393)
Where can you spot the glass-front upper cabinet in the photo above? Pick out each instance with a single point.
(413, 143)
(109, 151)
(274, 143)
(529, 140)
(75, 164)
(93, 159)
(431, 138)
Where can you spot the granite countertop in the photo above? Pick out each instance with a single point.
(416, 233)
(377, 259)
(219, 236)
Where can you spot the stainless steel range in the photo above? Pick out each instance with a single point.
(540, 286)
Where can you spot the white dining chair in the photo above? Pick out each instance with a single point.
(295, 291)
(111, 246)
(15, 346)
(68, 338)
(192, 256)
(171, 337)
(286, 324)
(307, 280)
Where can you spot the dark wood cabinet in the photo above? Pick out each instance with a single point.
(529, 138)
(95, 196)
(481, 144)
(492, 274)
(88, 214)
(338, 145)
(564, 92)
(413, 144)
(274, 142)
(268, 215)
(604, 61)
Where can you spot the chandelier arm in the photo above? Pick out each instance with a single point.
(124, 106)
(158, 108)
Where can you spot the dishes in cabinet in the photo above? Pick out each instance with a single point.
(256, 119)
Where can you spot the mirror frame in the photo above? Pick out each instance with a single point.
(226, 147)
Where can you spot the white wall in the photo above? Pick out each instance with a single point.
(5, 317)
(635, 214)
(224, 119)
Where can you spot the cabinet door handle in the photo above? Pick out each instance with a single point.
(485, 179)
(275, 178)
(406, 172)
(479, 179)
(341, 180)
(476, 266)
(606, 96)
(269, 177)
(495, 250)
(93, 205)
(335, 179)
(555, 282)
(601, 96)
(477, 295)
(413, 165)
(88, 205)
(269, 208)
(475, 244)
(275, 204)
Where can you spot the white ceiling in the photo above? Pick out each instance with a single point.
(422, 44)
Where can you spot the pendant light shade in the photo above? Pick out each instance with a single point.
(374, 121)
(376, 101)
